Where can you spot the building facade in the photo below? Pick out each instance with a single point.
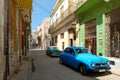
(12, 13)
(64, 26)
(99, 27)
(34, 41)
(43, 34)
(3, 21)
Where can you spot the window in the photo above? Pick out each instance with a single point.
(52, 21)
(56, 16)
(61, 11)
(62, 35)
(55, 39)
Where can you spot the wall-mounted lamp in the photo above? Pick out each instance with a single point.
(21, 11)
(74, 26)
(26, 18)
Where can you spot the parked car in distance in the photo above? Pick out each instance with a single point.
(79, 58)
(53, 51)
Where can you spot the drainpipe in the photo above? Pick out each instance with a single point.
(6, 31)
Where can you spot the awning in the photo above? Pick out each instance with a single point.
(87, 5)
(26, 4)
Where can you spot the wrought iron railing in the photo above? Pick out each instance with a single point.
(80, 3)
(71, 9)
(66, 13)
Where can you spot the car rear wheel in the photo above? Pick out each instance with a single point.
(82, 69)
(60, 61)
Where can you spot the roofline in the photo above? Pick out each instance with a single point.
(57, 5)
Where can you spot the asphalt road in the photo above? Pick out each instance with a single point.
(48, 68)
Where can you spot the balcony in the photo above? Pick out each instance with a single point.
(65, 17)
(80, 3)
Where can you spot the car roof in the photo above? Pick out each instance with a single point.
(77, 47)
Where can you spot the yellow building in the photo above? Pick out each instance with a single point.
(17, 30)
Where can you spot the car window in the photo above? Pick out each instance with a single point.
(67, 50)
(84, 51)
(72, 51)
(78, 51)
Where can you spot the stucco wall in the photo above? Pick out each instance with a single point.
(1, 38)
(65, 4)
(96, 11)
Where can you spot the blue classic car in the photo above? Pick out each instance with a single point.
(79, 58)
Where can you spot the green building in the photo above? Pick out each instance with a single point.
(100, 26)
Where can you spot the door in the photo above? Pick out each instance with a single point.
(71, 42)
(63, 45)
(71, 57)
(90, 35)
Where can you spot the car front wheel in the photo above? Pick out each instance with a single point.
(82, 69)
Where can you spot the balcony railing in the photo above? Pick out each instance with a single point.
(80, 3)
(71, 9)
(66, 13)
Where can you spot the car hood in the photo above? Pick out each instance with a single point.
(90, 58)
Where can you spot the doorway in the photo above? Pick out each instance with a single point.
(90, 35)
(71, 42)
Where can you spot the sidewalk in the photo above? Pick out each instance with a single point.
(24, 72)
(115, 70)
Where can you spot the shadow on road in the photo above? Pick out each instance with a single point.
(98, 74)
(90, 74)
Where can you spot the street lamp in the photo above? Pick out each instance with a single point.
(76, 28)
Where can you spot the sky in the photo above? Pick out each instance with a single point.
(41, 10)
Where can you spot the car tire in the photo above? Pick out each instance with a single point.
(60, 61)
(82, 69)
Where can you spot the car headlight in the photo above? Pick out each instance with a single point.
(92, 64)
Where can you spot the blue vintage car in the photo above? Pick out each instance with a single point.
(79, 58)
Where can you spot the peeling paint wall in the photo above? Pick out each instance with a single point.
(1, 38)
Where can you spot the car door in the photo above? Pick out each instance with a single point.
(71, 57)
(65, 56)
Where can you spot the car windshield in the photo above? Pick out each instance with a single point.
(78, 51)
(84, 51)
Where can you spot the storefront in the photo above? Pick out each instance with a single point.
(113, 33)
(100, 27)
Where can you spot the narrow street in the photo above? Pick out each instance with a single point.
(48, 68)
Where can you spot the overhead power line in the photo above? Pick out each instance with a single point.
(42, 7)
